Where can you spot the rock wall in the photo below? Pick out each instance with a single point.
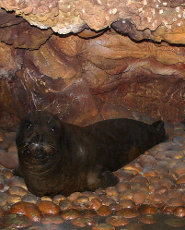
(117, 71)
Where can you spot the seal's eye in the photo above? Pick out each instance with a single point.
(53, 128)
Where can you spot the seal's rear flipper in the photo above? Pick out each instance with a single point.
(108, 179)
(161, 133)
(158, 125)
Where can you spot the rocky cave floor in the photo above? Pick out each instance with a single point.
(150, 194)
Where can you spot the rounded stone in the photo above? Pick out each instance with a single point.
(103, 226)
(175, 222)
(134, 226)
(58, 198)
(128, 213)
(111, 191)
(127, 204)
(115, 207)
(17, 181)
(28, 209)
(52, 219)
(139, 197)
(30, 198)
(74, 196)
(147, 219)
(12, 199)
(48, 207)
(70, 214)
(82, 201)
(79, 222)
(14, 190)
(65, 205)
(117, 221)
(147, 209)
(181, 180)
(89, 213)
(7, 173)
(1, 213)
(16, 221)
(127, 195)
(168, 210)
(179, 211)
(106, 200)
(95, 204)
(104, 211)
(46, 198)
(175, 202)
(122, 187)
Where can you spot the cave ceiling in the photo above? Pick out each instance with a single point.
(89, 60)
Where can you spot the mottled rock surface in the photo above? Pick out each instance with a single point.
(158, 20)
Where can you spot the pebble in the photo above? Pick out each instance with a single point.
(82, 201)
(104, 211)
(52, 219)
(180, 211)
(103, 226)
(70, 214)
(117, 221)
(111, 191)
(65, 204)
(17, 181)
(12, 199)
(127, 213)
(175, 202)
(134, 226)
(7, 173)
(106, 200)
(1, 213)
(82, 222)
(74, 196)
(175, 222)
(14, 190)
(58, 198)
(48, 207)
(147, 209)
(115, 207)
(127, 195)
(28, 209)
(122, 187)
(181, 180)
(15, 221)
(147, 160)
(30, 198)
(168, 210)
(3, 198)
(89, 213)
(127, 204)
(147, 219)
(46, 198)
(95, 204)
(139, 197)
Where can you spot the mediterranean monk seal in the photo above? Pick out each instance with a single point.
(56, 157)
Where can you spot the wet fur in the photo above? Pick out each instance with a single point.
(56, 157)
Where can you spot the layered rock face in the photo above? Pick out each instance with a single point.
(123, 59)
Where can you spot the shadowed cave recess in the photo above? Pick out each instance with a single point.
(87, 61)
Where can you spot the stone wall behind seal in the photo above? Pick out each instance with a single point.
(88, 76)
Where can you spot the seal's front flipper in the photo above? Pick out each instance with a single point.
(17, 171)
(108, 179)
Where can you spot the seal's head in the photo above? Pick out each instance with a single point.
(39, 136)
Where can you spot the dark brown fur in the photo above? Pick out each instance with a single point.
(56, 157)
